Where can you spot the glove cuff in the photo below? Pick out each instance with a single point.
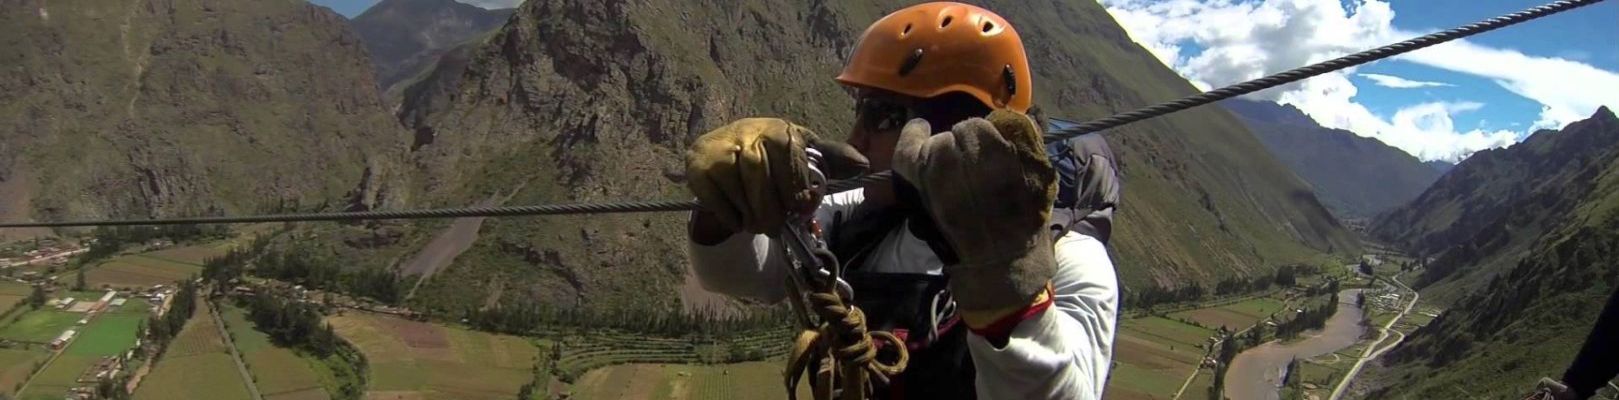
(1005, 282)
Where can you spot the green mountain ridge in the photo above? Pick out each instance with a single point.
(1526, 239)
(406, 37)
(154, 108)
(1355, 176)
(1484, 214)
(588, 102)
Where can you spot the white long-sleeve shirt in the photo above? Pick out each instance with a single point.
(1062, 353)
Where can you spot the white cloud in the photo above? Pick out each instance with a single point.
(1396, 82)
(1242, 40)
(493, 4)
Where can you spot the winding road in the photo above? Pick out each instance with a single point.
(1383, 334)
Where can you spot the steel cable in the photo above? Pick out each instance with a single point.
(1113, 121)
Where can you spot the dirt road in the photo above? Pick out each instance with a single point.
(1369, 354)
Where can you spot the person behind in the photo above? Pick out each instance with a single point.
(957, 255)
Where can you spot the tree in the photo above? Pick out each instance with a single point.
(1365, 268)
(37, 298)
(78, 281)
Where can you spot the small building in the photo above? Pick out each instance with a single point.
(119, 302)
(67, 302)
(83, 321)
(61, 340)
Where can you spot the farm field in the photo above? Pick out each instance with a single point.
(416, 360)
(143, 270)
(196, 365)
(16, 364)
(1234, 316)
(13, 292)
(749, 380)
(1155, 355)
(280, 373)
(193, 255)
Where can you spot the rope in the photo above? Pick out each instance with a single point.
(1114, 121)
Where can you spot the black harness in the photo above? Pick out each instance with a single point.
(914, 307)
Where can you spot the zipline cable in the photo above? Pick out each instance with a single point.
(1113, 121)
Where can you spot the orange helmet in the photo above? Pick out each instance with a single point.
(931, 49)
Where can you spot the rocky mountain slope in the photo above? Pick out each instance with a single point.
(597, 101)
(1355, 176)
(1531, 274)
(1482, 216)
(405, 37)
(186, 107)
(1440, 165)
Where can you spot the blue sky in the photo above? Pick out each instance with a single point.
(1443, 102)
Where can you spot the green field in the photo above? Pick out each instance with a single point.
(1234, 316)
(110, 334)
(279, 372)
(196, 366)
(750, 380)
(409, 358)
(40, 325)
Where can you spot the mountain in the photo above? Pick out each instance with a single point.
(597, 101)
(1538, 264)
(152, 108)
(405, 37)
(1482, 216)
(1440, 165)
(1355, 176)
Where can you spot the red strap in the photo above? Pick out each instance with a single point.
(1000, 331)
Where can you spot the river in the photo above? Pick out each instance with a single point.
(1257, 373)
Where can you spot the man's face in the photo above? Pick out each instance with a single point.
(878, 119)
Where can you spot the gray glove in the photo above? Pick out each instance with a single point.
(989, 188)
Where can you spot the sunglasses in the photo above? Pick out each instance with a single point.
(881, 115)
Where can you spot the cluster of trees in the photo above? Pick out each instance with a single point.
(1311, 318)
(232, 264)
(108, 388)
(109, 240)
(1154, 295)
(1239, 285)
(291, 323)
(37, 298)
(1286, 275)
(161, 330)
(316, 270)
(530, 316)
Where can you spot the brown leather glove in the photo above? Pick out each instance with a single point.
(989, 188)
(751, 172)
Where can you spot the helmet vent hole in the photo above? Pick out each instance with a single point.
(907, 30)
(947, 20)
(988, 26)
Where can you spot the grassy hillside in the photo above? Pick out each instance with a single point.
(1355, 176)
(186, 107)
(573, 102)
(1482, 216)
(1529, 284)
